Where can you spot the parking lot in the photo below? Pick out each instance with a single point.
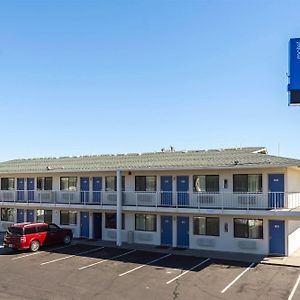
(81, 271)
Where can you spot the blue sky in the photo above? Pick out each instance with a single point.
(93, 77)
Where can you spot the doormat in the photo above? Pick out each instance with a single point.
(179, 248)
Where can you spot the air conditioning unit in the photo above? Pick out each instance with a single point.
(112, 197)
(45, 197)
(145, 198)
(207, 242)
(145, 237)
(247, 199)
(206, 199)
(247, 245)
(8, 196)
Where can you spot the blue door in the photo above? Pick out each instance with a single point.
(20, 215)
(182, 190)
(166, 188)
(276, 237)
(276, 190)
(84, 224)
(20, 189)
(97, 187)
(183, 232)
(84, 189)
(30, 189)
(166, 230)
(97, 225)
(30, 215)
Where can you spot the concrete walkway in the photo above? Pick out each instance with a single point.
(231, 256)
(289, 261)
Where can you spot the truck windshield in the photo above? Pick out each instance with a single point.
(15, 230)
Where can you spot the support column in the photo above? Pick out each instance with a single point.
(91, 229)
(119, 208)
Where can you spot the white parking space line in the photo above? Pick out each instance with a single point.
(191, 269)
(294, 289)
(236, 279)
(104, 260)
(35, 253)
(70, 256)
(146, 264)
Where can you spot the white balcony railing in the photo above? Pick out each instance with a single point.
(201, 200)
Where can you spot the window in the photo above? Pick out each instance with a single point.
(7, 184)
(42, 229)
(145, 183)
(206, 183)
(15, 230)
(30, 230)
(206, 226)
(44, 216)
(44, 183)
(244, 183)
(145, 222)
(111, 183)
(53, 228)
(248, 228)
(68, 183)
(68, 217)
(111, 221)
(7, 214)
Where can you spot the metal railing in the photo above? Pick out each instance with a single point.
(199, 200)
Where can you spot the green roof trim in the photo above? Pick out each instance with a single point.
(249, 157)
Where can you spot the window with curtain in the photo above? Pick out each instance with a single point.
(145, 222)
(7, 184)
(44, 183)
(206, 226)
(111, 183)
(248, 228)
(145, 183)
(68, 217)
(206, 183)
(68, 183)
(247, 183)
(44, 215)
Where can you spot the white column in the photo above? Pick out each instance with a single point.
(119, 208)
(174, 240)
(91, 233)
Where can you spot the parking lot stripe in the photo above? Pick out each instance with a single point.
(35, 253)
(191, 269)
(70, 256)
(236, 279)
(294, 289)
(146, 264)
(104, 260)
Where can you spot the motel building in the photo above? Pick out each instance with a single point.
(240, 200)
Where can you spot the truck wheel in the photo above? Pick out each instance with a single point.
(35, 246)
(67, 240)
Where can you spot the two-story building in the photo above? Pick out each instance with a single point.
(240, 200)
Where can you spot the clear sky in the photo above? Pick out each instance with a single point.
(92, 77)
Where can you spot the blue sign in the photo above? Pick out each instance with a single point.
(294, 72)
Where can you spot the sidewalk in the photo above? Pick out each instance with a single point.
(291, 261)
(231, 256)
(288, 261)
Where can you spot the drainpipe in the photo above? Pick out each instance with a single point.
(119, 208)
